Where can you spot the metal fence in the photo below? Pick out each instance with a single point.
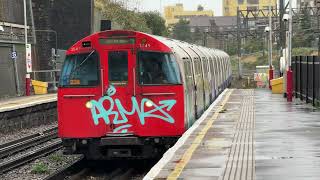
(306, 78)
(49, 76)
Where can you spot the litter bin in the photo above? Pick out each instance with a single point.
(277, 85)
(40, 87)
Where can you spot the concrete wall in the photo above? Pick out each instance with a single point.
(71, 19)
(11, 18)
(7, 71)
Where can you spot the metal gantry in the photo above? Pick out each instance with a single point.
(251, 23)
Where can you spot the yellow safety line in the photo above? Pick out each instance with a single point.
(188, 154)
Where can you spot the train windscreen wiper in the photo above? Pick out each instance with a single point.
(79, 66)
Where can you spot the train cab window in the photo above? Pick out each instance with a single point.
(158, 68)
(118, 67)
(80, 70)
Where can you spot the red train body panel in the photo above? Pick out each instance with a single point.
(122, 94)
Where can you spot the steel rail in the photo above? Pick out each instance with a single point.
(124, 174)
(79, 170)
(27, 137)
(30, 156)
(27, 142)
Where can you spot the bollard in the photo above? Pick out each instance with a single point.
(270, 77)
(289, 85)
(28, 80)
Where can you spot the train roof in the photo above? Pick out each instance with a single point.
(165, 44)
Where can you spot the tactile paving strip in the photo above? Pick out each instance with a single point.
(241, 159)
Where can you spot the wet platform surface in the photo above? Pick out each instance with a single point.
(25, 101)
(247, 134)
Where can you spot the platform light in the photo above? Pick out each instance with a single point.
(192, 29)
(267, 29)
(286, 17)
(89, 105)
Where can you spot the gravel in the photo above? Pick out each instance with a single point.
(40, 168)
(50, 163)
(4, 138)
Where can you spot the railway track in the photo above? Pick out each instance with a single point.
(80, 169)
(76, 168)
(25, 143)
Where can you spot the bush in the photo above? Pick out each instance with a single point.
(40, 168)
(302, 51)
(56, 158)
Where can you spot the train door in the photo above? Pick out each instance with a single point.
(199, 86)
(191, 84)
(212, 83)
(199, 82)
(217, 74)
(205, 71)
(189, 87)
(119, 78)
(220, 73)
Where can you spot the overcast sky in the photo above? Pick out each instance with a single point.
(154, 5)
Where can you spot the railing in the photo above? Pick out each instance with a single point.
(306, 78)
(49, 76)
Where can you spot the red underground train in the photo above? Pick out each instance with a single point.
(127, 94)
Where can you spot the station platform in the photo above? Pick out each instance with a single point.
(247, 135)
(27, 112)
(25, 101)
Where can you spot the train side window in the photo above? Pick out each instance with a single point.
(188, 74)
(158, 68)
(80, 70)
(118, 67)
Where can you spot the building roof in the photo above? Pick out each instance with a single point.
(218, 20)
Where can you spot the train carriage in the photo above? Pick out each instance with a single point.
(127, 94)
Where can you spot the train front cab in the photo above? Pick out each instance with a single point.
(130, 102)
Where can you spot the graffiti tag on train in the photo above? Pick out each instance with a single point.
(119, 113)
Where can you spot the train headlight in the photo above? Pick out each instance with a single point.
(149, 103)
(89, 105)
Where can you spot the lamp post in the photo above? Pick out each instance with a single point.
(318, 45)
(289, 70)
(28, 61)
(270, 46)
